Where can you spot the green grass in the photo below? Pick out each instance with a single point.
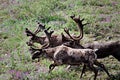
(16, 15)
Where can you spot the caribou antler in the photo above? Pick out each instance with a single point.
(78, 21)
(67, 31)
(80, 26)
(28, 32)
(40, 27)
(48, 35)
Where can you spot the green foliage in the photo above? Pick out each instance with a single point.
(16, 15)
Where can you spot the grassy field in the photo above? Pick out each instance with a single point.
(16, 15)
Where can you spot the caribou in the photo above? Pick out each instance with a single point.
(66, 49)
(64, 55)
(57, 39)
(105, 49)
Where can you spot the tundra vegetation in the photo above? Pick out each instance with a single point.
(17, 15)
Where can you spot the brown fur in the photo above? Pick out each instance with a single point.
(70, 56)
(106, 49)
(57, 40)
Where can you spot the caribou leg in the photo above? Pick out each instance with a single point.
(93, 69)
(83, 70)
(103, 67)
(52, 66)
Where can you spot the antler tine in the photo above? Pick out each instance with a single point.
(82, 20)
(72, 16)
(48, 28)
(80, 26)
(48, 35)
(28, 32)
(40, 27)
(85, 24)
(67, 32)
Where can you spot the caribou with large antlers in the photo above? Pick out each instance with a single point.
(57, 39)
(104, 49)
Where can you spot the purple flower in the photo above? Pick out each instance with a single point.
(114, 3)
(1, 59)
(108, 19)
(16, 74)
(105, 18)
(12, 71)
(26, 73)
